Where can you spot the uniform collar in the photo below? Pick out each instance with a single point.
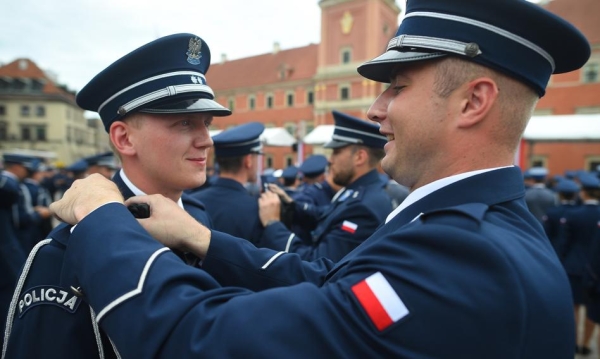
(422, 192)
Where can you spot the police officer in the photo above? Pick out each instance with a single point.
(104, 164)
(38, 202)
(231, 207)
(354, 215)
(316, 189)
(461, 269)
(579, 229)
(538, 197)
(12, 256)
(567, 193)
(157, 115)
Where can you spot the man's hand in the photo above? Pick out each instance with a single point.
(284, 197)
(84, 196)
(173, 226)
(269, 208)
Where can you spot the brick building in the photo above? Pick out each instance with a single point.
(298, 88)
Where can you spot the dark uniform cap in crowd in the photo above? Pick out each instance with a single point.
(290, 172)
(537, 173)
(165, 76)
(78, 166)
(350, 130)
(28, 162)
(589, 181)
(314, 165)
(106, 159)
(239, 141)
(515, 37)
(566, 186)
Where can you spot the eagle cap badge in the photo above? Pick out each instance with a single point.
(193, 52)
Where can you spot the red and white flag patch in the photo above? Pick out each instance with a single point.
(350, 227)
(380, 301)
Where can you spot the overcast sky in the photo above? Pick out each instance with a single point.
(76, 39)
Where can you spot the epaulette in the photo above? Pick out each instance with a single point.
(466, 213)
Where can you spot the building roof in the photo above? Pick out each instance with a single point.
(27, 70)
(294, 64)
(563, 128)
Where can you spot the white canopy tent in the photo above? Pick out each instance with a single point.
(319, 135)
(563, 128)
(272, 136)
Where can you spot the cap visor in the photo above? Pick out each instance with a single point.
(336, 144)
(201, 105)
(380, 68)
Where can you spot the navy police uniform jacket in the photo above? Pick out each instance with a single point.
(578, 229)
(465, 272)
(309, 198)
(552, 222)
(49, 319)
(12, 256)
(347, 222)
(232, 209)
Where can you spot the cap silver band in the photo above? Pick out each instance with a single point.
(162, 76)
(434, 43)
(167, 91)
(381, 137)
(507, 34)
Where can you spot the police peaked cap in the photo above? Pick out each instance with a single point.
(350, 130)
(566, 186)
(239, 141)
(515, 37)
(314, 165)
(164, 76)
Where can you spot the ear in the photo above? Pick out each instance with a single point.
(247, 161)
(361, 156)
(480, 97)
(119, 134)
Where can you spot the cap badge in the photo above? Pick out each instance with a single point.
(193, 52)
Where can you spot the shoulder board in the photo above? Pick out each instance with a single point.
(473, 211)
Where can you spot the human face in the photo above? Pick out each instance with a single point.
(341, 165)
(413, 117)
(171, 151)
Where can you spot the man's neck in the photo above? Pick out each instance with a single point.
(142, 186)
(240, 177)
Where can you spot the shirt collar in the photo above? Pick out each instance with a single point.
(136, 191)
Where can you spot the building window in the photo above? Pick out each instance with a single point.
(539, 161)
(40, 133)
(40, 111)
(590, 72)
(310, 97)
(269, 101)
(2, 110)
(290, 127)
(69, 135)
(290, 99)
(25, 133)
(269, 161)
(251, 102)
(289, 160)
(346, 55)
(25, 111)
(231, 103)
(344, 93)
(3, 131)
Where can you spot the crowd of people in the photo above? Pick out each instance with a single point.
(444, 255)
(567, 205)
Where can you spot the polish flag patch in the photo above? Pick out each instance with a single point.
(380, 301)
(349, 227)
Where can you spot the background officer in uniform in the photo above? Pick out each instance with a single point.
(538, 197)
(579, 230)
(162, 140)
(461, 269)
(356, 212)
(567, 191)
(12, 255)
(231, 207)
